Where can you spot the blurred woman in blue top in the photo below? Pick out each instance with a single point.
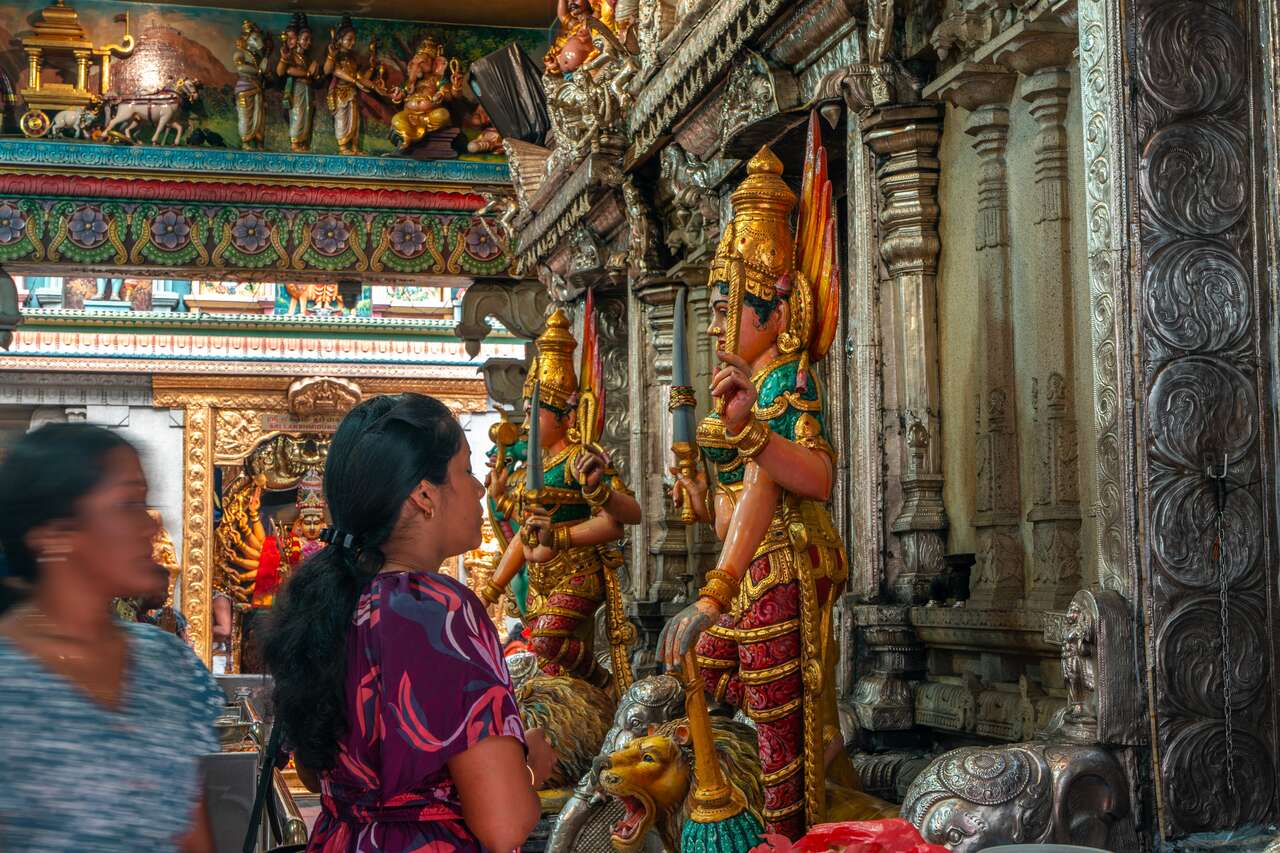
(102, 722)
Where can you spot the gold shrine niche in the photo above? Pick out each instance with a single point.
(229, 418)
(272, 513)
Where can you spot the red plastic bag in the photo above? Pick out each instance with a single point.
(865, 836)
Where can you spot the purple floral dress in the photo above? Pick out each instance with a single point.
(426, 680)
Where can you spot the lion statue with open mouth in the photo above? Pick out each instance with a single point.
(653, 779)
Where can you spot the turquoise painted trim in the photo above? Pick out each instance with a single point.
(96, 156)
(413, 362)
(221, 323)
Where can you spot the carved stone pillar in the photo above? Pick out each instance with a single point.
(1182, 237)
(883, 698)
(906, 138)
(984, 91)
(663, 536)
(1039, 51)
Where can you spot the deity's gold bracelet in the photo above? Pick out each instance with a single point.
(599, 496)
(489, 593)
(721, 587)
(752, 440)
(563, 541)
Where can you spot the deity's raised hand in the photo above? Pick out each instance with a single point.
(732, 383)
(692, 489)
(539, 521)
(590, 466)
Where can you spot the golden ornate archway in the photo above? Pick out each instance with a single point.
(227, 416)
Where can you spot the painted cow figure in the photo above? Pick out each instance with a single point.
(75, 121)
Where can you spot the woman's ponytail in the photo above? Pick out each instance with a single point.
(382, 450)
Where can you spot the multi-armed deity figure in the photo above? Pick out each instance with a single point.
(425, 94)
(256, 561)
(571, 505)
(761, 624)
(299, 72)
(251, 59)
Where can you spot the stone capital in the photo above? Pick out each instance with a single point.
(972, 85)
(1028, 46)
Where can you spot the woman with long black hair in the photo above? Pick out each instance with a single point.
(103, 722)
(389, 677)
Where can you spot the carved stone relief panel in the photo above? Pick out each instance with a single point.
(1204, 415)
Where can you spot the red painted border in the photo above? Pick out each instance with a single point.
(150, 189)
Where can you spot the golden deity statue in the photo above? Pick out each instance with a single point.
(761, 625)
(563, 517)
(425, 94)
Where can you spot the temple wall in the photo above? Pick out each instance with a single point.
(1034, 331)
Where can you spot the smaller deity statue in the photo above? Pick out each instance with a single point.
(347, 79)
(299, 72)
(425, 94)
(304, 536)
(251, 57)
(572, 505)
(573, 46)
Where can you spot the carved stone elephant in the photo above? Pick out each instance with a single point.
(587, 819)
(974, 798)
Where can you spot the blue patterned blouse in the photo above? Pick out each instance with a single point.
(79, 777)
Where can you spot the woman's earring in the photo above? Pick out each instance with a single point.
(429, 512)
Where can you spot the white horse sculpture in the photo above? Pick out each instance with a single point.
(165, 108)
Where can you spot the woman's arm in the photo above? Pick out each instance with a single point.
(199, 839)
(499, 804)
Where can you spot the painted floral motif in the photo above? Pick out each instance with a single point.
(87, 227)
(250, 234)
(329, 235)
(481, 244)
(170, 230)
(13, 223)
(408, 240)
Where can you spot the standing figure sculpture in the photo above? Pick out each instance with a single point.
(250, 60)
(346, 81)
(299, 72)
(761, 624)
(569, 523)
(425, 95)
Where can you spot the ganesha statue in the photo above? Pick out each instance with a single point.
(431, 82)
(975, 798)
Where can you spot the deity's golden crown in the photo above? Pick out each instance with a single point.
(311, 491)
(758, 243)
(554, 364)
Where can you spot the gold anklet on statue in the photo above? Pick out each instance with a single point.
(721, 587)
(752, 440)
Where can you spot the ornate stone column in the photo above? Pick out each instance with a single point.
(663, 536)
(1040, 52)
(984, 91)
(906, 138)
(1182, 249)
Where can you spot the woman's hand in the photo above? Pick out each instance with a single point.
(542, 757)
(538, 521)
(682, 632)
(692, 489)
(732, 383)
